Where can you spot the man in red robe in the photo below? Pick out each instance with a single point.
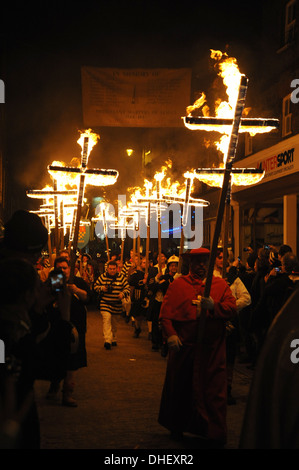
(194, 393)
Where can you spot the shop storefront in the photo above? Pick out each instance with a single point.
(266, 213)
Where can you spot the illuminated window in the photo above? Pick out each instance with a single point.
(286, 116)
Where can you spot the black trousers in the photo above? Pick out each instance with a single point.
(156, 330)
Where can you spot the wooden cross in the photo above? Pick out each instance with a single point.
(45, 194)
(83, 171)
(227, 171)
(185, 200)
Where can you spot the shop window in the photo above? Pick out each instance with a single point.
(290, 21)
(286, 116)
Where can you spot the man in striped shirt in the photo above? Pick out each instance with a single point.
(111, 287)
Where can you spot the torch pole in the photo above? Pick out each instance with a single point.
(181, 251)
(134, 244)
(159, 225)
(184, 221)
(77, 227)
(56, 230)
(107, 246)
(225, 231)
(147, 238)
(137, 228)
(61, 225)
(122, 252)
(50, 250)
(78, 211)
(138, 250)
(226, 181)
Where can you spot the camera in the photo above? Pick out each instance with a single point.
(56, 278)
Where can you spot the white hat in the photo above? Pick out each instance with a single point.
(173, 259)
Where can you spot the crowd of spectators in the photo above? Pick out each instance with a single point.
(43, 324)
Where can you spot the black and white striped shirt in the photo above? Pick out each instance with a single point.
(110, 301)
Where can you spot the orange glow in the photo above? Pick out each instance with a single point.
(228, 70)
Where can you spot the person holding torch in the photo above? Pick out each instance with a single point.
(194, 393)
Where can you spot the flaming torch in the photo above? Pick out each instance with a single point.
(97, 177)
(237, 85)
(50, 207)
(185, 199)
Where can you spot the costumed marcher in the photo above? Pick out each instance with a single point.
(86, 270)
(247, 340)
(194, 393)
(128, 267)
(261, 268)
(271, 416)
(156, 284)
(138, 285)
(80, 296)
(170, 275)
(111, 287)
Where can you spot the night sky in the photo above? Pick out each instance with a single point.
(44, 47)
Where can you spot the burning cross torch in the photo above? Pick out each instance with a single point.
(185, 199)
(87, 176)
(50, 210)
(227, 172)
(154, 201)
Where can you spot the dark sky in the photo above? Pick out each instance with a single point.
(44, 47)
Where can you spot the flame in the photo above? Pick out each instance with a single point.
(231, 76)
(198, 104)
(93, 139)
(64, 180)
(227, 68)
(238, 179)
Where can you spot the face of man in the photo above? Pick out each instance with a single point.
(142, 263)
(111, 269)
(173, 268)
(199, 266)
(65, 268)
(162, 258)
(219, 262)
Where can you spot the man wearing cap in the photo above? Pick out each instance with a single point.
(80, 296)
(194, 393)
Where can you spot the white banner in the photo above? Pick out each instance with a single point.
(135, 97)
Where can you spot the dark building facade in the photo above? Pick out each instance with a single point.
(267, 212)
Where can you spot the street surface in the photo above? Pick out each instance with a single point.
(118, 398)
